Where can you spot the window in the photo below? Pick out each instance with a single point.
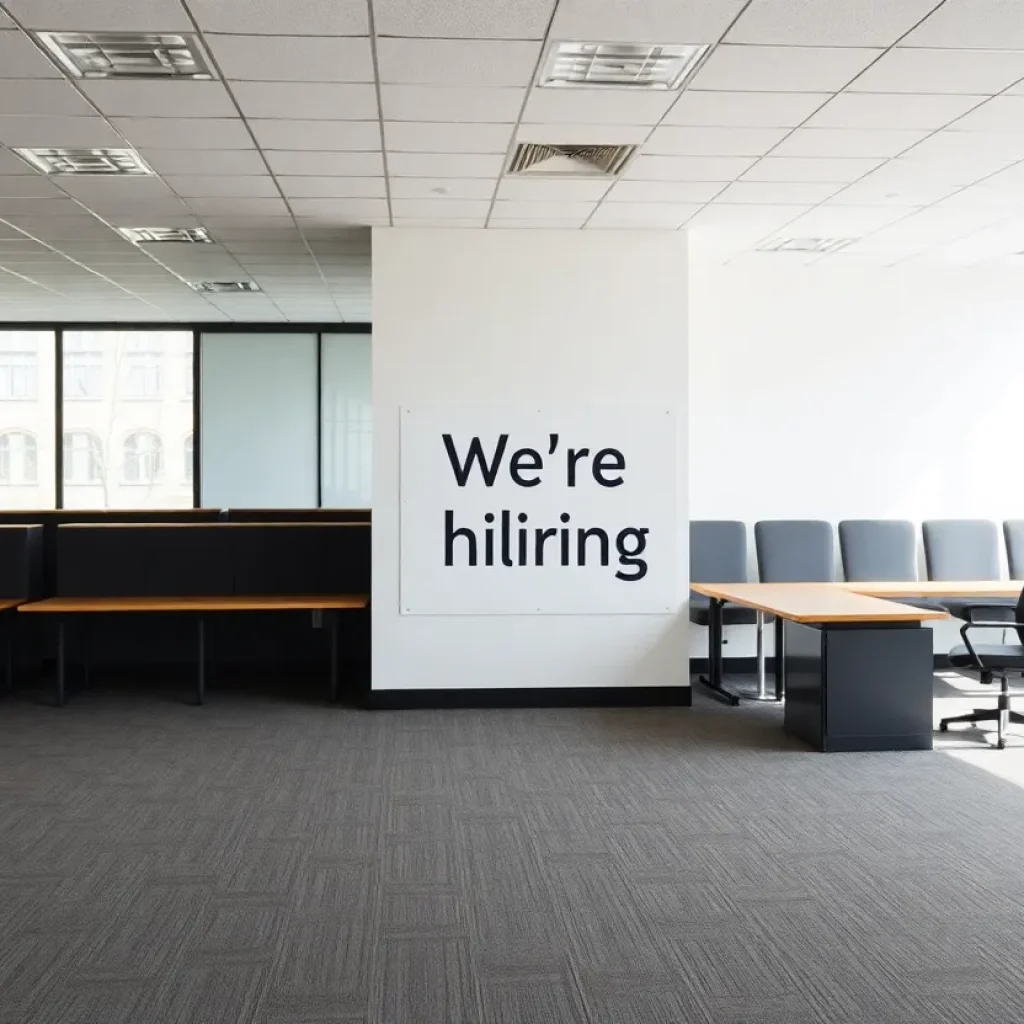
(143, 458)
(83, 458)
(142, 356)
(19, 458)
(19, 370)
(189, 459)
(83, 365)
(28, 443)
(144, 416)
(189, 379)
(346, 411)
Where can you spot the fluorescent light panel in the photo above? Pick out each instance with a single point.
(127, 54)
(85, 161)
(619, 65)
(152, 235)
(805, 244)
(225, 286)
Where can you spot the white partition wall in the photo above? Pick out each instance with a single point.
(346, 405)
(572, 345)
(259, 413)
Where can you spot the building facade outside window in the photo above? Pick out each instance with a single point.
(142, 367)
(19, 374)
(189, 453)
(143, 458)
(19, 458)
(83, 458)
(83, 367)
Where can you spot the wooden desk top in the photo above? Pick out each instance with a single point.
(242, 603)
(939, 588)
(7, 603)
(815, 602)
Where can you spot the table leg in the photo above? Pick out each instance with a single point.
(714, 679)
(201, 667)
(61, 693)
(86, 652)
(9, 651)
(780, 660)
(334, 655)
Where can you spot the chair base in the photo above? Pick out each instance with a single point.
(1001, 715)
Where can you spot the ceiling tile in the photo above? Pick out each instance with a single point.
(964, 72)
(833, 221)
(184, 133)
(463, 19)
(439, 208)
(773, 168)
(584, 134)
(208, 162)
(852, 142)
(50, 207)
(338, 136)
(552, 190)
(326, 101)
(891, 110)
(642, 215)
(431, 222)
(601, 106)
(442, 188)
(243, 205)
(282, 17)
(687, 168)
(90, 187)
(870, 192)
(41, 96)
(55, 132)
(160, 99)
(172, 212)
(713, 141)
(965, 24)
(353, 207)
(290, 58)
(196, 186)
(1007, 146)
(27, 186)
(310, 187)
(800, 193)
(534, 210)
(744, 109)
(20, 58)
(850, 23)
(444, 165)
(484, 62)
(668, 21)
(443, 103)
(116, 15)
(664, 191)
(782, 69)
(559, 224)
(49, 228)
(904, 173)
(1000, 114)
(290, 162)
(410, 136)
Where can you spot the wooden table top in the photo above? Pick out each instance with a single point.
(241, 603)
(939, 588)
(7, 603)
(815, 602)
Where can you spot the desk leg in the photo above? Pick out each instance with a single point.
(333, 615)
(61, 693)
(780, 660)
(86, 652)
(9, 651)
(201, 667)
(714, 679)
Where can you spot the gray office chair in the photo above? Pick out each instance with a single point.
(794, 551)
(718, 554)
(882, 550)
(990, 660)
(966, 549)
(1013, 534)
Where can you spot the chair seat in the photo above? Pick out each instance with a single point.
(732, 615)
(961, 607)
(995, 656)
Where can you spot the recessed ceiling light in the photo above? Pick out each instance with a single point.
(619, 65)
(150, 235)
(225, 286)
(805, 244)
(540, 160)
(85, 161)
(127, 54)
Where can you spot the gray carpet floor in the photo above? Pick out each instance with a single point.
(263, 860)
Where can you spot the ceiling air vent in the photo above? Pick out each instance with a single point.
(539, 160)
(85, 161)
(150, 235)
(225, 286)
(127, 54)
(822, 245)
(619, 65)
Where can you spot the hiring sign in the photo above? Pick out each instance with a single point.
(538, 512)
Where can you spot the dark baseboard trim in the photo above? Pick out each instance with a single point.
(560, 697)
(748, 666)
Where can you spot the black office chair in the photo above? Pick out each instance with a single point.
(989, 661)
(1013, 534)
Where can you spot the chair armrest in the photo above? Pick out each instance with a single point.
(972, 608)
(968, 626)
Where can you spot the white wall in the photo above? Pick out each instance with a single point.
(530, 319)
(843, 392)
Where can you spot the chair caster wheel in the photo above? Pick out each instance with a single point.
(943, 726)
(1001, 745)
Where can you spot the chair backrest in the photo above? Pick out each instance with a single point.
(878, 549)
(1013, 534)
(961, 549)
(794, 551)
(1017, 615)
(718, 551)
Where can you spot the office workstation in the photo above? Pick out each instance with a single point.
(507, 511)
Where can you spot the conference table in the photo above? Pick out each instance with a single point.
(855, 668)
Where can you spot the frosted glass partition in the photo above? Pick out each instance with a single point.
(259, 421)
(347, 420)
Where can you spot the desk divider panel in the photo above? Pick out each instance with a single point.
(21, 561)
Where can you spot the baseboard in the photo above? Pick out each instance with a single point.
(748, 666)
(560, 697)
